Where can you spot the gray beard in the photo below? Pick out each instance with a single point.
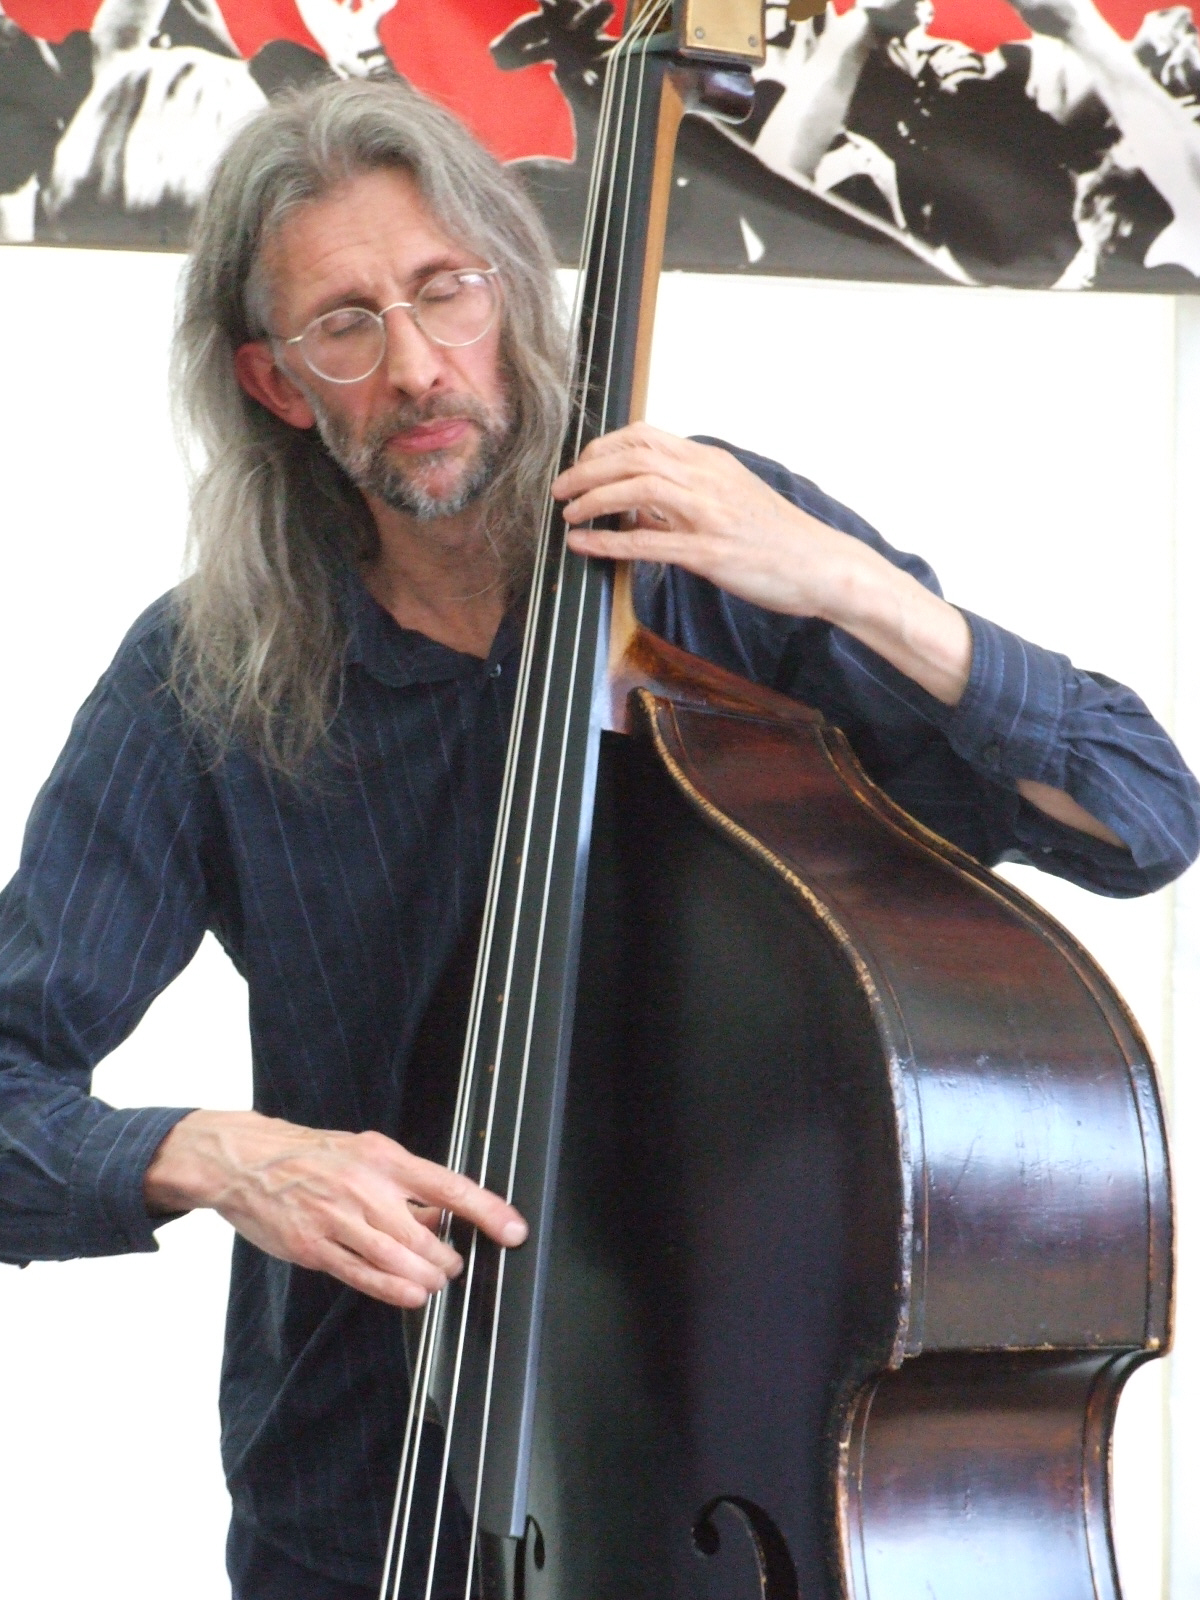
(370, 468)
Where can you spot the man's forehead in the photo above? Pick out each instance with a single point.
(374, 228)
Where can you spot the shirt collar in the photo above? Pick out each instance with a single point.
(401, 657)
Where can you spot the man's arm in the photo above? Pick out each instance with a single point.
(355, 1205)
(106, 907)
(697, 507)
(109, 904)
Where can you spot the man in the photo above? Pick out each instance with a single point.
(300, 749)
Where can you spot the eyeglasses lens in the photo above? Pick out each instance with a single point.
(343, 345)
(452, 309)
(456, 308)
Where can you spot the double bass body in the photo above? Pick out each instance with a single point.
(862, 1215)
(844, 1165)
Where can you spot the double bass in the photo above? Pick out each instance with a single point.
(844, 1163)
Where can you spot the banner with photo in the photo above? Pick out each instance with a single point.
(1042, 143)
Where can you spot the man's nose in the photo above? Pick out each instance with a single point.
(411, 361)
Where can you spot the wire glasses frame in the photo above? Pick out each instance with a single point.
(454, 309)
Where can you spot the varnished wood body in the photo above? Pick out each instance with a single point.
(862, 1214)
(844, 1164)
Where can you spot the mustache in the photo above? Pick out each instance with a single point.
(413, 413)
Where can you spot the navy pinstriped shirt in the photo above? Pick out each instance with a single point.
(343, 903)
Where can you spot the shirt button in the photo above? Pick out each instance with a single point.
(495, 671)
(990, 754)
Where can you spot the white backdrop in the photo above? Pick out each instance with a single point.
(1026, 443)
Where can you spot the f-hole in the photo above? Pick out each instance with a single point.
(776, 1569)
(532, 1553)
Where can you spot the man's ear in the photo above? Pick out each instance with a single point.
(263, 380)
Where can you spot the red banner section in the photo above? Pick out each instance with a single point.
(442, 48)
(984, 24)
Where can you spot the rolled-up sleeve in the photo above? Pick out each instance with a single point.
(107, 906)
(1029, 713)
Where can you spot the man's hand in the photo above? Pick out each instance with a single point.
(696, 506)
(356, 1205)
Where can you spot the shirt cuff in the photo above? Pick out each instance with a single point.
(1007, 722)
(107, 1206)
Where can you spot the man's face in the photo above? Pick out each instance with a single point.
(426, 431)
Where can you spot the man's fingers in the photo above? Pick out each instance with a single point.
(352, 1269)
(341, 1203)
(410, 1233)
(626, 462)
(641, 435)
(455, 1192)
(385, 1253)
(641, 544)
(633, 495)
(637, 450)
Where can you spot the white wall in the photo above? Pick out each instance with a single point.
(109, 1480)
(1025, 443)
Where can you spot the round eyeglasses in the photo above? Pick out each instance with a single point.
(454, 309)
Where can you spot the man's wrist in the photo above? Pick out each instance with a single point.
(862, 588)
(188, 1171)
(918, 632)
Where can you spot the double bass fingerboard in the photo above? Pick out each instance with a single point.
(477, 1358)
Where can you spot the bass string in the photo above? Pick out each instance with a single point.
(430, 1339)
(571, 677)
(588, 574)
(650, 22)
(541, 734)
(528, 655)
(432, 1321)
(432, 1315)
(525, 678)
(622, 240)
(624, 47)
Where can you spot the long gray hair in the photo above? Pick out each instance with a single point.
(275, 521)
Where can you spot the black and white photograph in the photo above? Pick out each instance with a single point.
(1038, 146)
